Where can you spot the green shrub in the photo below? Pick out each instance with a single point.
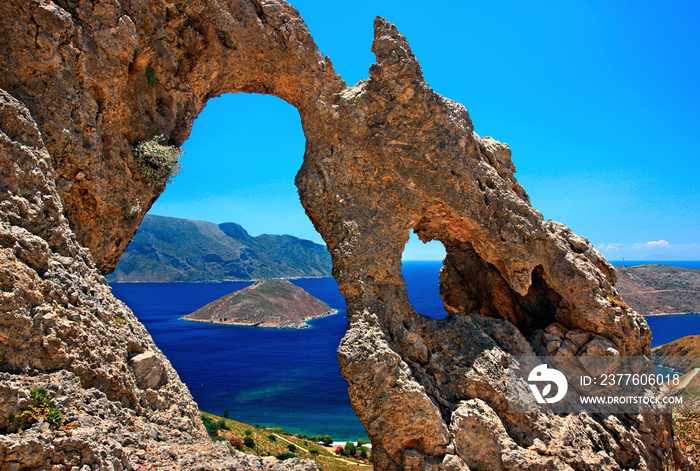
(303, 436)
(43, 409)
(363, 452)
(292, 447)
(249, 442)
(248, 432)
(151, 77)
(157, 163)
(272, 438)
(350, 449)
(211, 428)
(313, 451)
(285, 456)
(325, 439)
(221, 425)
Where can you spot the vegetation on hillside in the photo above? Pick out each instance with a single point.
(683, 355)
(269, 441)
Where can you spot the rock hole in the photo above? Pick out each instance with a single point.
(245, 174)
(471, 285)
(420, 267)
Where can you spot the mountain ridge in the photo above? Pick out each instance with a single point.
(171, 250)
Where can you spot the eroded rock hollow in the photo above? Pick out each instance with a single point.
(82, 83)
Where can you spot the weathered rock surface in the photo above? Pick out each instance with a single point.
(84, 82)
(61, 328)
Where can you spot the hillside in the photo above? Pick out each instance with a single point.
(168, 249)
(682, 355)
(660, 289)
(267, 303)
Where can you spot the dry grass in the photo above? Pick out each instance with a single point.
(687, 429)
(617, 301)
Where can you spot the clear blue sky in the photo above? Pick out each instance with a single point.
(598, 100)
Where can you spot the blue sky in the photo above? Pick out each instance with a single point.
(598, 100)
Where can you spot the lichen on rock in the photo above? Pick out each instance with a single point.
(83, 83)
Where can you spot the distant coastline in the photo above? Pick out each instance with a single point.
(653, 289)
(672, 314)
(252, 280)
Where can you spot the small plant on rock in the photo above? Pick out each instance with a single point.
(42, 410)
(151, 77)
(157, 163)
(617, 301)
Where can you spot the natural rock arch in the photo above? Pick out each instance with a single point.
(84, 82)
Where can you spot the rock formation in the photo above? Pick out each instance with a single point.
(83, 83)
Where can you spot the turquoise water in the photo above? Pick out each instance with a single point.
(284, 377)
(280, 377)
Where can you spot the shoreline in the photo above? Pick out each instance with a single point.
(304, 325)
(671, 314)
(251, 280)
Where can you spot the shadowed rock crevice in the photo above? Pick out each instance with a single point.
(471, 285)
(82, 83)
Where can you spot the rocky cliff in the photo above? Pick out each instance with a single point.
(266, 303)
(84, 83)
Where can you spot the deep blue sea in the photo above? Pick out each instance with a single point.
(286, 377)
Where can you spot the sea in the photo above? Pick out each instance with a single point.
(290, 378)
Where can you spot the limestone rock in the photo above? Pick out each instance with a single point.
(148, 369)
(479, 435)
(82, 83)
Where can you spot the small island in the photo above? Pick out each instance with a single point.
(273, 303)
